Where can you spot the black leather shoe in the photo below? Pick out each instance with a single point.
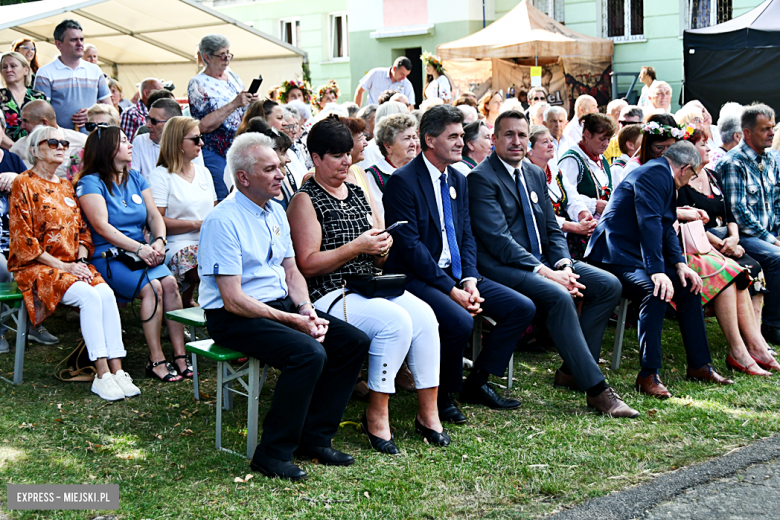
(325, 455)
(449, 412)
(488, 397)
(771, 334)
(432, 436)
(378, 443)
(275, 468)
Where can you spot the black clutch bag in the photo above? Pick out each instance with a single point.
(377, 286)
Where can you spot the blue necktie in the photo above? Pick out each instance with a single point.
(449, 226)
(528, 213)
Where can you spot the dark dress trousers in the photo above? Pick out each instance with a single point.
(635, 239)
(416, 250)
(503, 253)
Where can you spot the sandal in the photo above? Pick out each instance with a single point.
(171, 377)
(187, 372)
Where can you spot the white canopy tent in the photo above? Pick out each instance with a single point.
(137, 39)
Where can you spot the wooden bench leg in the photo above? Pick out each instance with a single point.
(619, 332)
(21, 343)
(220, 375)
(195, 386)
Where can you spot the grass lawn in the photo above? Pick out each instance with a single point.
(551, 453)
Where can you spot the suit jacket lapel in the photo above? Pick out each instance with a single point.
(424, 177)
(504, 176)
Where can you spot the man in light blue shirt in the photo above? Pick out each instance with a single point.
(257, 302)
(380, 79)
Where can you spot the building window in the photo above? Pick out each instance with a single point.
(290, 31)
(339, 36)
(624, 20)
(552, 8)
(706, 13)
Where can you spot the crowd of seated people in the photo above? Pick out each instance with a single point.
(274, 211)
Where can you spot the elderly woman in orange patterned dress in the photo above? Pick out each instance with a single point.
(49, 247)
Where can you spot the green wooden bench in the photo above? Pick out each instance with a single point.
(476, 344)
(248, 375)
(14, 308)
(191, 318)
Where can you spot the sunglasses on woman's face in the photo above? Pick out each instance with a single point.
(196, 139)
(91, 126)
(539, 98)
(54, 143)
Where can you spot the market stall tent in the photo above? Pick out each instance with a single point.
(735, 60)
(137, 39)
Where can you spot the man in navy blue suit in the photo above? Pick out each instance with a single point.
(437, 252)
(635, 240)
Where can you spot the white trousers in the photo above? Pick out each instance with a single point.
(396, 327)
(100, 324)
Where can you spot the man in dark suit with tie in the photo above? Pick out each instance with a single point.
(520, 244)
(635, 240)
(437, 253)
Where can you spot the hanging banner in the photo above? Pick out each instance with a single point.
(469, 75)
(588, 75)
(506, 73)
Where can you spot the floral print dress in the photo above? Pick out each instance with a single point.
(207, 94)
(45, 216)
(13, 111)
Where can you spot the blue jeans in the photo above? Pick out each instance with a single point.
(768, 256)
(216, 165)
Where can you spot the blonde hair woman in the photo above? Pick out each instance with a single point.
(184, 194)
(116, 93)
(15, 70)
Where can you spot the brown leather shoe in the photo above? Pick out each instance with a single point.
(652, 386)
(609, 403)
(565, 381)
(707, 374)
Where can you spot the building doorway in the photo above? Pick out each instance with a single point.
(416, 77)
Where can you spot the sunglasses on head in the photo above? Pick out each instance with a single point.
(156, 122)
(54, 143)
(91, 126)
(196, 139)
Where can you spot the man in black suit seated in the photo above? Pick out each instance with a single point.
(437, 253)
(520, 244)
(635, 240)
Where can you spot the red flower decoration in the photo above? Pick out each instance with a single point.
(12, 119)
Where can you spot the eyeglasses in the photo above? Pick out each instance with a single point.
(289, 127)
(27, 48)
(196, 139)
(224, 57)
(156, 122)
(54, 143)
(91, 126)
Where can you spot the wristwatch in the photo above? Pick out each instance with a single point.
(164, 241)
(564, 266)
(84, 260)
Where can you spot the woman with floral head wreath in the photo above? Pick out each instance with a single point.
(294, 90)
(327, 93)
(437, 83)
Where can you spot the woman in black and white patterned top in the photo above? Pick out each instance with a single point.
(333, 234)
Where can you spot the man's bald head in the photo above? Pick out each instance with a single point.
(585, 104)
(38, 112)
(148, 86)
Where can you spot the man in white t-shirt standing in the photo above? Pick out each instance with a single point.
(380, 79)
(70, 83)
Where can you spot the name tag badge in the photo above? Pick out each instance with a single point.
(70, 202)
(137, 198)
(277, 231)
(534, 197)
(453, 193)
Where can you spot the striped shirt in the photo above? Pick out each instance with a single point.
(70, 90)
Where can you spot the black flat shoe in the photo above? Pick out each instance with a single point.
(187, 372)
(771, 334)
(378, 443)
(449, 412)
(275, 468)
(487, 396)
(171, 377)
(434, 438)
(325, 455)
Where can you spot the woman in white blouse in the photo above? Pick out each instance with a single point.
(184, 194)
(438, 84)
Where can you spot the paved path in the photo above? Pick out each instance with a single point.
(743, 485)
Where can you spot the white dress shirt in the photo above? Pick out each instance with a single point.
(146, 153)
(572, 135)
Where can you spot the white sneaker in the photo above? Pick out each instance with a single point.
(125, 382)
(107, 387)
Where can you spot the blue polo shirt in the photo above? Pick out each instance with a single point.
(238, 237)
(378, 80)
